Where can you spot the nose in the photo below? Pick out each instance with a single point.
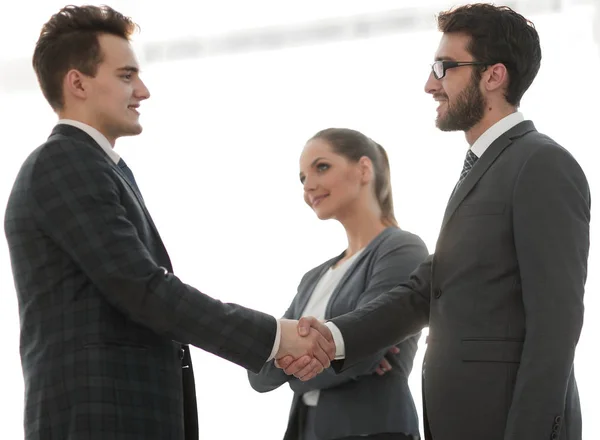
(141, 91)
(309, 184)
(432, 84)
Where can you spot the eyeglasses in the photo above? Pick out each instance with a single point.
(439, 67)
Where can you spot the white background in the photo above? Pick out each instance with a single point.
(218, 165)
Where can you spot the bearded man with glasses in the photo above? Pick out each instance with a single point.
(503, 292)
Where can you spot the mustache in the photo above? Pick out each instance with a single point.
(440, 96)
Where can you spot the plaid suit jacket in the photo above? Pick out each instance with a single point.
(104, 322)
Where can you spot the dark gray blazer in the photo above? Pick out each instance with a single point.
(103, 318)
(358, 401)
(503, 296)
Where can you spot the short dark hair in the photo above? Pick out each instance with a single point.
(69, 40)
(353, 145)
(498, 35)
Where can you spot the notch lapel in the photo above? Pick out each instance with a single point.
(350, 271)
(80, 135)
(482, 165)
(308, 293)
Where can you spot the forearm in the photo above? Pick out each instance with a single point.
(387, 320)
(170, 307)
(269, 378)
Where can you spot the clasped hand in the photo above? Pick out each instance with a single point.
(306, 347)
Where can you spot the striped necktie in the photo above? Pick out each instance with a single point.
(470, 160)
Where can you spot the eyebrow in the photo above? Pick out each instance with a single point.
(312, 164)
(444, 59)
(131, 69)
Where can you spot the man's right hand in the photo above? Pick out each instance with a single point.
(302, 366)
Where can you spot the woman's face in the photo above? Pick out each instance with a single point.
(332, 183)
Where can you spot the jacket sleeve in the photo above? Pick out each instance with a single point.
(393, 267)
(270, 377)
(387, 320)
(77, 199)
(551, 220)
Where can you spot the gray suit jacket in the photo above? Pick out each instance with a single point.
(358, 401)
(103, 318)
(503, 296)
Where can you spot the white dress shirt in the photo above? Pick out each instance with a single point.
(317, 304)
(479, 146)
(108, 149)
(495, 131)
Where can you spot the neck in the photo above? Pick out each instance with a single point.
(81, 116)
(492, 115)
(362, 229)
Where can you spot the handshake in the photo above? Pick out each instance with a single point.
(306, 347)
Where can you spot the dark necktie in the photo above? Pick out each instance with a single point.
(127, 171)
(470, 160)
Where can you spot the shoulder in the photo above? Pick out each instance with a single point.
(398, 239)
(544, 155)
(537, 154)
(59, 156)
(398, 251)
(68, 154)
(70, 148)
(65, 163)
(535, 145)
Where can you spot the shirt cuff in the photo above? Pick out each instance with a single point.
(277, 342)
(340, 349)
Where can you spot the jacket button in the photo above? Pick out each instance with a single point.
(557, 419)
(437, 293)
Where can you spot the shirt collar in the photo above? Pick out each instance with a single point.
(96, 135)
(495, 131)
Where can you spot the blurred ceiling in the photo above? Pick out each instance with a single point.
(183, 29)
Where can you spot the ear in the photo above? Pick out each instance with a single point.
(75, 84)
(365, 166)
(495, 77)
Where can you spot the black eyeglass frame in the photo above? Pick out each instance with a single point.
(447, 64)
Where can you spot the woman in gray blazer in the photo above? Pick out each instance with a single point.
(346, 177)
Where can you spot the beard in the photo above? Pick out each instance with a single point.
(467, 109)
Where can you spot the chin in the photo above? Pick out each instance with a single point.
(137, 128)
(443, 125)
(132, 130)
(323, 215)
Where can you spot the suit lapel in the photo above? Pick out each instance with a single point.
(349, 272)
(308, 292)
(340, 284)
(482, 165)
(70, 131)
(303, 301)
(138, 196)
(141, 203)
